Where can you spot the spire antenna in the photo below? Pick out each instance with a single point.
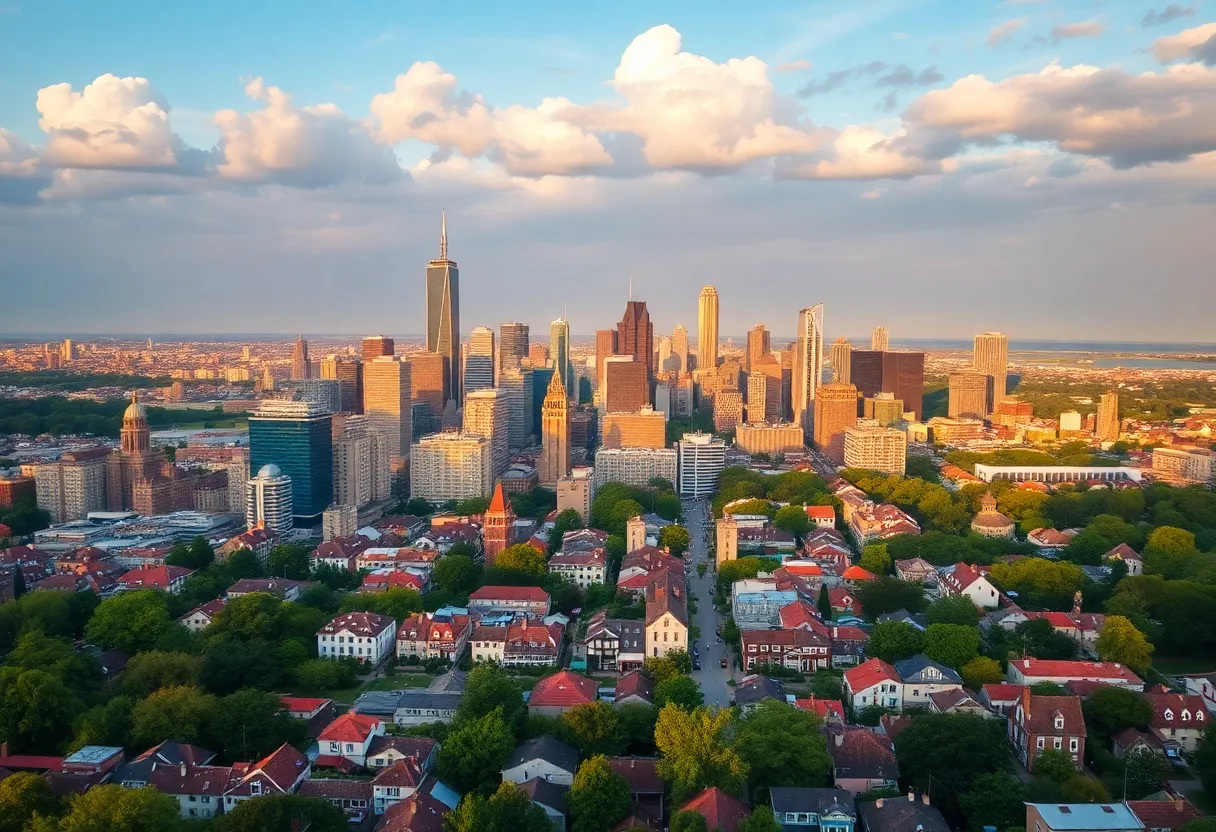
(443, 236)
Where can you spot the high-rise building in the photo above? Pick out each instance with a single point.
(498, 525)
(991, 356)
(842, 355)
(875, 448)
(1183, 466)
(300, 368)
(883, 408)
(375, 346)
(450, 466)
(626, 388)
(776, 387)
(574, 491)
(835, 412)
(538, 355)
(784, 438)
(728, 410)
(903, 375)
(429, 380)
(512, 344)
(515, 385)
(443, 311)
(269, 501)
(865, 371)
(635, 466)
(362, 463)
(555, 434)
(758, 346)
(386, 403)
(486, 414)
(667, 361)
(348, 372)
(808, 366)
(67, 352)
(707, 328)
(970, 392)
(297, 437)
(757, 389)
(679, 347)
(74, 485)
(701, 460)
(645, 428)
(479, 361)
(238, 475)
(559, 352)
(878, 339)
(635, 335)
(339, 521)
(326, 392)
(605, 346)
(1108, 425)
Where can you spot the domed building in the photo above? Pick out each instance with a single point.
(990, 522)
(268, 501)
(134, 461)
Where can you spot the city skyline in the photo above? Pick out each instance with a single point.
(829, 161)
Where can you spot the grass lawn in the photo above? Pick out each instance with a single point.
(1185, 664)
(345, 696)
(400, 681)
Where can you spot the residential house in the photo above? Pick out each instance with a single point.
(419, 561)
(279, 772)
(317, 712)
(613, 643)
(1030, 671)
(813, 810)
(165, 578)
(531, 600)
(902, 814)
(972, 581)
(848, 644)
(552, 798)
(137, 773)
(642, 774)
(1133, 739)
(344, 742)
(382, 580)
(1166, 814)
(556, 694)
(855, 576)
(487, 642)
(754, 689)
(873, 683)
(386, 750)
(879, 522)
(916, 570)
(396, 782)
(1000, 698)
(535, 644)
(956, 701)
(903, 617)
(353, 797)
(633, 688)
(200, 618)
(437, 702)
(863, 760)
(828, 710)
(432, 635)
(1081, 817)
(756, 603)
(723, 812)
(1081, 627)
(1050, 541)
(1202, 685)
(583, 567)
(1039, 723)
(420, 812)
(545, 757)
(804, 650)
(821, 517)
(638, 566)
(1178, 719)
(922, 677)
(257, 540)
(800, 615)
(844, 602)
(766, 542)
(286, 589)
(366, 636)
(1132, 559)
(666, 614)
(340, 552)
(198, 789)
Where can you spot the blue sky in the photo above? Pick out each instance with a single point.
(940, 167)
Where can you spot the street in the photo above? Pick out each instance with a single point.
(712, 677)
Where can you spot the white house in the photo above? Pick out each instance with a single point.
(545, 757)
(874, 683)
(582, 567)
(346, 740)
(366, 636)
(1203, 685)
(200, 618)
(968, 580)
(922, 677)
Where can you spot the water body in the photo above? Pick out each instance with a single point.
(1150, 364)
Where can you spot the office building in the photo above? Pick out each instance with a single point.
(878, 339)
(375, 346)
(339, 521)
(515, 385)
(842, 356)
(443, 312)
(1183, 466)
(479, 360)
(758, 346)
(700, 464)
(707, 328)
(875, 448)
(386, 403)
(668, 362)
(991, 356)
(238, 475)
(644, 428)
(776, 387)
(807, 366)
(134, 461)
(429, 380)
(300, 368)
(835, 412)
(605, 346)
(72, 486)
(953, 431)
(326, 393)
(757, 390)
(559, 352)
(538, 355)
(1070, 421)
(269, 501)
(1107, 425)
(554, 434)
(349, 374)
(513, 344)
(583, 434)
(728, 410)
(574, 491)
(679, 348)
(635, 335)
(297, 437)
(683, 396)
(626, 384)
(785, 438)
(486, 414)
(67, 351)
(883, 408)
(865, 372)
(970, 392)
(635, 466)
(450, 466)
(903, 376)
(362, 462)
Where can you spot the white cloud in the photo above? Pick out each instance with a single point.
(22, 172)
(861, 153)
(1004, 31)
(112, 123)
(1196, 43)
(306, 147)
(1081, 29)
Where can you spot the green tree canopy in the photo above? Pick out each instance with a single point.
(594, 728)
(147, 672)
(954, 645)
(953, 749)
(599, 797)
(952, 609)
(876, 558)
(994, 799)
(475, 752)
(689, 821)
(282, 811)
(131, 621)
(181, 713)
(1121, 642)
(488, 688)
(695, 753)
(781, 746)
(681, 691)
(36, 709)
(675, 539)
(22, 796)
(456, 573)
(521, 558)
(894, 640)
(981, 671)
(114, 808)
(886, 594)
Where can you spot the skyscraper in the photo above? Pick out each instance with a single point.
(361, 462)
(991, 356)
(626, 388)
(555, 433)
(348, 372)
(842, 355)
(375, 346)
(443, 311)
(835, 412)
(903, 374)
(758, 345)
(429, 379)
(450, 466)
(296, 437)
(299, 360)
(559, 351)
(635, 335)
(707, 328)
(268, 501)
(512, 344)
(479, 361)
(757, 384)
(1107, 425)
(865, 371)
(386, 403)
(878, 339)
(605, 345)
(538, 354)
(808, 366)
(515, 384)
(486, 415)
(679, 347)
(970, 391)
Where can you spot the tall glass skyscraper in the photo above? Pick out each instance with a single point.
(443, 311)
(808, 366)
(559, 351)
(297, 437)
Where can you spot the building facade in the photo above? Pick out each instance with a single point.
(486, 414)
(835, 413)
(635, 466)
(700, 464)
(991, 357)
(297, 438)
(807, 366)
(451, 466)
(970, 392)
(386, 403)
(875, 448)
(555, 434)
(443, 312)
(707, 328)
(269, 501)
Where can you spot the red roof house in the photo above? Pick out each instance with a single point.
(556, 694)
(721, 811)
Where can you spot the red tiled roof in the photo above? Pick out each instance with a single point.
(869, 673)
(509, 593)
(1164, 814)
(798, 614)
(350, 727)
(804, 568)
(302, 704)
(1001, 692)
(281, 767)
(1040, 712)
(721, 811)
(405, 773)
(636, 684)
(160, 577)
(563, 690)
(360, 623)
(1063, 669)
(821, 512)
(1125, 553)
(856, 573)
(332, 788)
(820, 707)
(641, 773)
(420, 812)
(1176, 705)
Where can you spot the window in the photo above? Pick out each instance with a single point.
(1039, 743)
(1057, 744)
(1059, 723)
(335, 747)
(1072, 745)
(255, 788)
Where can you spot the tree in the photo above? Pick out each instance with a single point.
(19, 587)
(398, 602)
(1055, 764)
(594, 728)
(114, 808)
(36, 709)
(475, 752)
(953, 749)
(1168, 551)
(230, 664)
(981, 671)
(952, 644)
(456, 573)
(886, 594)
(675, 539)
(250, 724)
(1145, 772)
(108, 724)
(567, 520)
(282, 811)
(824, 604)
(681, 691)
(1121, 642)
(289, 560)
(131, 621)
(488, 688)
(996, 800)
(521, 558)
(637, 727)
(198, 555)
(509, 809)
(1040, 582)
(1205, 759)
(695, 754)
(952, 609)
(781, 746)
(894, 640)
(1038, 638)
(661, 668)
(760, 820)
(689, 821)
(34, 651)
(316, 675)
(181, 714)
(792, 519)
(22, 796)
(243, 563)
(1200, 824)
(147, 672)
(599, 797)
(1110, 709)
(876, 559)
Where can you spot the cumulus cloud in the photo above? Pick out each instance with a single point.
(22, 172)
(1128, 119)
(1002, 32)
(1198, 44)
(300, 146)
(1080, 29)
(1171, 12)
(115, 123)
(861, 153)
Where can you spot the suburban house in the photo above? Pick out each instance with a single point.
(639, 565)
(556, 694)
(873, 522)
(532, 644)
(862, 760)
(430, 635)
(257, 540)
(437, 702)
(972, 581)
(317, 712)
(200, 618)
(1039, 723)
(1030, 671)
(396, 782)
(1050, 540)
(339, 552)
(366, 636)
(545, 757)
(401, 558)
(386, 750)
(754, 689)
(721, 811)
(903, 814)
(138, 772)
(873, 683)
(1132, 559)
(915, 570)
(1000, 698)
(552, 798)
(353, 797)
(856, 575)
(843, 601)
(1203, 685)
(165, 578)
(1081, 817)
(828, 710)
(279, 772)
(803, 650)
(666, 614)
(821, 517)
(286, 589)
(531, 600)
(922, 677)
(814, 810)
(642, 775)
(633, 688)
(420, 812)
(1164, 815)
(487, 642)
(612, 643)
(198, 789)
(1178, 719)
(382, 580)
(956, 701)
(344, 742)
(582, 567)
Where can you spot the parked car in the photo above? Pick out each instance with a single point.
(696, 665)
(724, 663)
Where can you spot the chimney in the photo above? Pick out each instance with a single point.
(183, 768)
(1179, 803)
(924, 798)
(3, 749)
(911, 796)
(878, 803)
(1026, 663)
(839, 739)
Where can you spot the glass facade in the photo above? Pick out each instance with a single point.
(541, 378)
(302, 448)
(443, 317)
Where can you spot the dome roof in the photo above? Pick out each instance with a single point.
(992, 520)
(268, 471)
(135, 411)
